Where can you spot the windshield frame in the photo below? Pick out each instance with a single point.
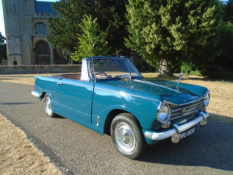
(128, 62)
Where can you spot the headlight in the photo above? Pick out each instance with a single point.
(164, 113)
(207, 100)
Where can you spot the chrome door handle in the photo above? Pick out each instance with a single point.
(59, 83)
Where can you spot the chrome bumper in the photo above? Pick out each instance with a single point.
(36, 94)
(177, 129)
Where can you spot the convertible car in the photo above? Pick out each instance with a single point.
(110, 96)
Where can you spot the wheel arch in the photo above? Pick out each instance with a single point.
(112, 114)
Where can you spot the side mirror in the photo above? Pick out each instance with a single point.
(181, 75)
(126, 78)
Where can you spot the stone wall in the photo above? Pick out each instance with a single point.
(40, 69)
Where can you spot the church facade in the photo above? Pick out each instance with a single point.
(27, 28)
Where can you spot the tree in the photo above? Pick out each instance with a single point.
(162, 31)
(110, 17)
(226, 45)
(91, 41)
(2, 48)
(228, 12)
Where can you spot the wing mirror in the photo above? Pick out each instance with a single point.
(126, 78)
(181, 75)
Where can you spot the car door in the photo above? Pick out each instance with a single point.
(75, 99)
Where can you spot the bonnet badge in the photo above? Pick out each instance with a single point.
(183, 111)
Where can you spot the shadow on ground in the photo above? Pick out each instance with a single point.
(210, 146)
(221, 118)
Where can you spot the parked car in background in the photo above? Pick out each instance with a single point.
(111, 96)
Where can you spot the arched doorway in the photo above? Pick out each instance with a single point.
(42, 52)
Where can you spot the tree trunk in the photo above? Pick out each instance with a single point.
(165, 68)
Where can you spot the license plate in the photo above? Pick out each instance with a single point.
(187, 133)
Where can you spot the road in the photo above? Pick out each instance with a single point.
(78, 150)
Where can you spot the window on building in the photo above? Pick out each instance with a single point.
(40, 28)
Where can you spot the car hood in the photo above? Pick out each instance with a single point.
(163, 90)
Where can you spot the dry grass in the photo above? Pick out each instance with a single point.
(19, 156)
(22, 78)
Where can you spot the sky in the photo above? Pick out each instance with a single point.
(2, 27)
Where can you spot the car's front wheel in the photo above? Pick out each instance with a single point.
(127, 136)
(48, 107)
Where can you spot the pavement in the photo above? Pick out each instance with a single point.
(79, 150)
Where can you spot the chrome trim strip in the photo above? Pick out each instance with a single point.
(35, 94)
(166, 134)
(184, 103)
(147, 82)
(128, 94)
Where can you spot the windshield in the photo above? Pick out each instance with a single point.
(113, 68)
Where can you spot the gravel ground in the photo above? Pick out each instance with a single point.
(78, 150)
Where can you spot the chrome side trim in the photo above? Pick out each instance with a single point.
(146, 82)
(36, 94)
(177, 129)
(128, 94)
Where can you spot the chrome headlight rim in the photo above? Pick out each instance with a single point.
(207, 98)
(169, 113)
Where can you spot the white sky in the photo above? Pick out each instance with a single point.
(2, 27)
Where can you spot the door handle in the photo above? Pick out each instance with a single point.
(59, 83)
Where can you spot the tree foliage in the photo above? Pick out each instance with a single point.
(2, 47)
(91, 41)
(228, 12)
(166, 30)
(110, 17)
(226, 45)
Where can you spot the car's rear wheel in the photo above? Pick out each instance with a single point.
(48, 107)
(127, 136)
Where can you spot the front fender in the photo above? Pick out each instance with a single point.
(105, 113)
(145, 110)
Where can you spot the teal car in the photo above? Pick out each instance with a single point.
(110, 96)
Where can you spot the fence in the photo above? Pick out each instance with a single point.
(40, 69)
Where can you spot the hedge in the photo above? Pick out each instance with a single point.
(214, 75)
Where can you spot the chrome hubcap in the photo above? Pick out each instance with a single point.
(48, 107)
(125, 137)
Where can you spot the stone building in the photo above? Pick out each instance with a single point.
(27, 28)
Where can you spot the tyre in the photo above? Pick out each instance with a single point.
(48, 107)
(127, 136)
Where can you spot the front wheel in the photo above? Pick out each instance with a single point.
(48, 107)
(127, 136)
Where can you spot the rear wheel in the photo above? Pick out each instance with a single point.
(48, 107)
(127, 136)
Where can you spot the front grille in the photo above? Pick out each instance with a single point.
(176, 111)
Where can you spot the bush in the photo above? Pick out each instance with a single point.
(214, 75)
